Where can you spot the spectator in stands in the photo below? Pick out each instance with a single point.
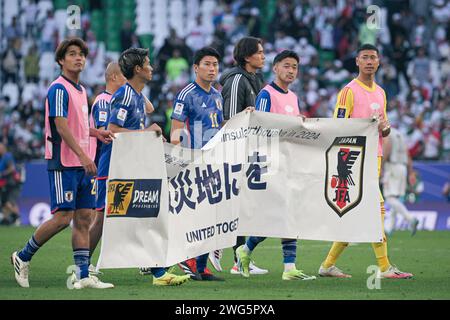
(367, 33)
(13, 32)
(298, 19)
(176, 65)
(420, 34)
(337, 75)
(32, 65)
(400, 57)
(11, 61)
(420, 66)
(397, 29)
(125, 35)
(10, 184)
(31, 12)
(49, 33)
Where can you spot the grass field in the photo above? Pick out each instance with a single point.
(427, 255)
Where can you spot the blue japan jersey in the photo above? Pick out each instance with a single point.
(100, 113)
(201, 111)
(127, 110)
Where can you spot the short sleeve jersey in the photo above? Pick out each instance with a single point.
(127, 110)
(201, 111)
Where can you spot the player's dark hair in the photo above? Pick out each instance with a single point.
(367, 46)
(61, 50)
(286, 54)
(131, 58)
(204, 52)
(245, 48)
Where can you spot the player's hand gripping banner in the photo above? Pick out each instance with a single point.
(263, 174)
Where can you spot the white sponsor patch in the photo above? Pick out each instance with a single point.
(103, 116)
(289, 109)
(178, 108)
(122, 114)
(375, 106)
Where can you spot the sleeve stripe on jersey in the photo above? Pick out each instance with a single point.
(234, 91)
(185, 91)
(263, 104)
(344, 96)
(127, 97)
(59, 102)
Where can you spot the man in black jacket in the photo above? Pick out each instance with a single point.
(241, 84)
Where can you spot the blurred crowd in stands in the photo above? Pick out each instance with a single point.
(413, 38)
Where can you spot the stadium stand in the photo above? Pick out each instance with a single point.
(413, 38)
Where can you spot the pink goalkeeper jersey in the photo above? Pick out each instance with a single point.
(357, 100)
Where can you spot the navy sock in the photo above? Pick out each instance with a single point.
(201, 262)
(158, 272)
(252, 242)
(289, 250)
(81, 257)
(29, 250)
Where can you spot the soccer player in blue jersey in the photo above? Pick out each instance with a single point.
(70, 160)
(199, 107)
(127, 113)
(100, 114)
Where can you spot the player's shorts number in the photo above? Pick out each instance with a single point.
(94, 186)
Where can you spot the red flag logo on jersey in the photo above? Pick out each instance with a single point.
(344, 173)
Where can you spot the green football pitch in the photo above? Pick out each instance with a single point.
(426, 255)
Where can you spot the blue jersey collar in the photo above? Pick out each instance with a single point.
(138, 94)
(76, 85)
(273, 84)
(206, 92)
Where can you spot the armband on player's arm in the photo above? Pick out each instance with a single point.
(344, 104)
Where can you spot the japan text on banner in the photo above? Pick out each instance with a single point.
(262, 174)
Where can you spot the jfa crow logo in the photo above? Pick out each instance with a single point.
(344, 173)
(138, 198)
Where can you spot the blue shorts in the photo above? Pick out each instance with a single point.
(71, 190)
(101, 194)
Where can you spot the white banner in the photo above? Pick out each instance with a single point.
(263, 174)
